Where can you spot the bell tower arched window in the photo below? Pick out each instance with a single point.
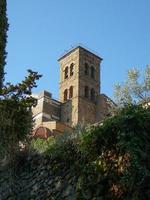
(92, 72)
(66, 72)
(92, 95)
(86, 92)
(65, 95)
(86, 70)
(71, 69)
(70, 92)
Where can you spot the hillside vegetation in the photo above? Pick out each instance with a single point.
(108, 161)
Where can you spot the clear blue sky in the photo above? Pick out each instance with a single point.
(40, 31)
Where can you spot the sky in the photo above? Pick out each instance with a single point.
(41, 31)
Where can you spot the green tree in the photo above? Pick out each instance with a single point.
(15, 114)
(135, 90)
(15, 107)
(118, 152)
(15, 100)
(3, 39)
(109, 161)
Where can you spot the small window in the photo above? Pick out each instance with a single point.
(86, 92)
(65, 95)
(71, 69)
(92, 72)
(86, 69)
(92, 95)
(70, 92)
(66, 72)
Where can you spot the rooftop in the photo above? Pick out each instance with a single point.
(67, 52)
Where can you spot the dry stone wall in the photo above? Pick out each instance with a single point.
(38, 179)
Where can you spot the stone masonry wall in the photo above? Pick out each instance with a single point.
(38, 179)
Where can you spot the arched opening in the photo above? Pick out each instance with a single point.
(66, 72)
(86, 92)
(65, 95)
(71, 69)
(86, 69)
(92, 95)
(92, 72)
(70, 92)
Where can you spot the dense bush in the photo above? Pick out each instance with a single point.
(120, 150)
(15, 123)
(112, 159)
(15, 114)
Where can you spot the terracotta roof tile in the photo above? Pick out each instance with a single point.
(42, 132)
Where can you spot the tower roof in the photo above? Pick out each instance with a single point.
(76, 47)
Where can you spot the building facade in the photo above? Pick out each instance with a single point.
(80, 98)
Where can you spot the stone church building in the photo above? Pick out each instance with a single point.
(80, 98)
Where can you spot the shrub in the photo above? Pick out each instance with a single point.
(111, 160)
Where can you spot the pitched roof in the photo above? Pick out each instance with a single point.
(76, 47)
(42, 132)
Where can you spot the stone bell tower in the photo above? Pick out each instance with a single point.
(79, 86)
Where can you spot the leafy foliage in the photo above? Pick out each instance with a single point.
(111, 160)
(58, 147)
(120, 149)
(15, 100)
(135, 89)
(15, 107)
(16, 115)
(41, 145)
(3, 40)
